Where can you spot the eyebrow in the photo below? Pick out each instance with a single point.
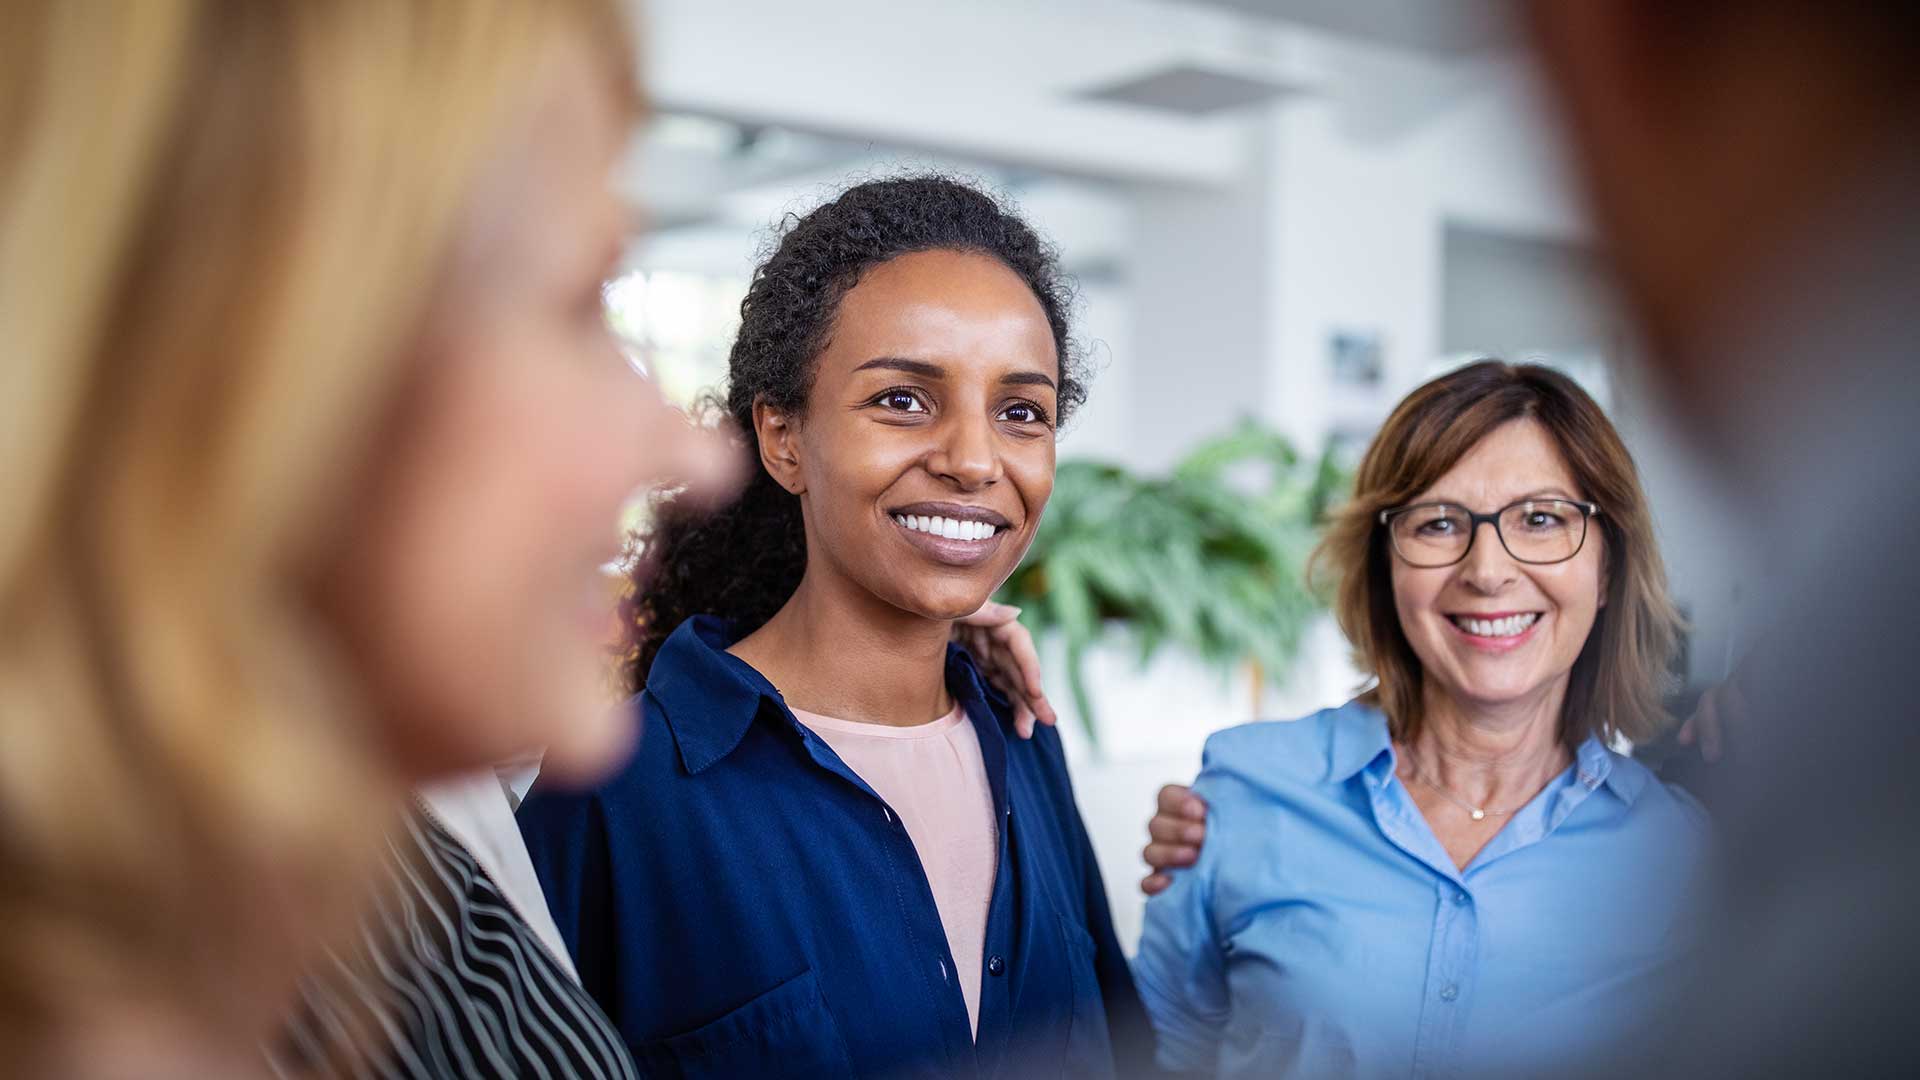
(911, 367)
(934, 371)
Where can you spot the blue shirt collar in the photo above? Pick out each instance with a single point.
(1358, 741)
(1362, 743)
(708, 698)
(1593, 765)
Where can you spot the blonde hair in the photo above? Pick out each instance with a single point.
(1618, 680)
(220, 224)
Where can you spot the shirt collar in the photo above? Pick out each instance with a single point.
(1594, 764)
(1361, 743)
(474, 809)
(708, 698)
(1359, 740)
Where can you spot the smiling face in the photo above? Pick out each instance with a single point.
(1490, 630)
(926, 453)
(473, 590)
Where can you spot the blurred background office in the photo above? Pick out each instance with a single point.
(1282, 215)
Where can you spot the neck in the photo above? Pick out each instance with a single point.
(840, 651)
(1490, 756)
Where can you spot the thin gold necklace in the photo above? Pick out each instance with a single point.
(1477, 813)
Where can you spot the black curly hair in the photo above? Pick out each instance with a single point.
(744, 560)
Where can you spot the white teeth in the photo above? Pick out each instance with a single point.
(1510, 626)
(948, 528)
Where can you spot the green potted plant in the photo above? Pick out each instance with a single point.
(1210, 557)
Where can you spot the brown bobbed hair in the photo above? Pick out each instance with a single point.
(1621, 675)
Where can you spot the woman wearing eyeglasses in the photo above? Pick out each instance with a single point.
(1453, 872)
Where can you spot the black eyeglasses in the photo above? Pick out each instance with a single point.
(1537, 531)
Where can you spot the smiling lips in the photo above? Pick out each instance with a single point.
(1496, 632)
(1497, 626)
(950, 528)
(952, 534)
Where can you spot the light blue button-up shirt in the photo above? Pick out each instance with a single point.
(1325, 931)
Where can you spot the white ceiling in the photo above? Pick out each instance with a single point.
(767, 105)
(1442, 27)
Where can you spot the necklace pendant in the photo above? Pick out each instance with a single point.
(1479, 814)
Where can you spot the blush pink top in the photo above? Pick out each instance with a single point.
(932, 775)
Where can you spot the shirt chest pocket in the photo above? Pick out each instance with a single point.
(786, 1031)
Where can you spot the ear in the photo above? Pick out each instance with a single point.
(779, 449)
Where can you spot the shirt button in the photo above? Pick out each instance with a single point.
(996, 966)
(1449, 992)
(1462, 898)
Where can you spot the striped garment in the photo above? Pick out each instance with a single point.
(446, 980)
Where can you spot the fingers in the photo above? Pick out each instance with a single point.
(1172, 830)
(1175, 833)
(1180, 802)
(1014, 644)
(1004, 651)
(991, 615)
(1169, 856)
(1022, 719)
(980, 647)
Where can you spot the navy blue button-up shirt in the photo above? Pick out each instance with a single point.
(743, 904)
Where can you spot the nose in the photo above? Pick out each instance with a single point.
(1488, 568)
(965, 454)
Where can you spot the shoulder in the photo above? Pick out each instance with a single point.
(1666, 807)
(420, 843)
(1312, 751)
(1043, 760)
(649, 763)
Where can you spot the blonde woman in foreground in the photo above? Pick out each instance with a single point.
(315, 442)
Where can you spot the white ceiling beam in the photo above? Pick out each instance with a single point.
(996, 80)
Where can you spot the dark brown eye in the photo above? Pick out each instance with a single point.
(904, 401)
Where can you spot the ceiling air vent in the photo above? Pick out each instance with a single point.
(1190, 90)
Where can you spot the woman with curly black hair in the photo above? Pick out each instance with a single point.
(830, 855)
